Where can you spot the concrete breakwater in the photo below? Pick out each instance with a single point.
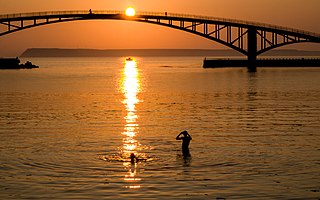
(282, 62)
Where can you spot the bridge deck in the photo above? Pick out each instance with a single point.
(154, 14)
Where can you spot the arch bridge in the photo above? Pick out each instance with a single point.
(248, 38)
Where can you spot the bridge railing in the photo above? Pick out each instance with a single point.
(227, 20)
(158, 14)
(50, 13)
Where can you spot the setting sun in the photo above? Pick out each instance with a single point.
(130, 12)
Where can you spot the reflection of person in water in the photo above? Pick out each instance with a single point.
(186, 138)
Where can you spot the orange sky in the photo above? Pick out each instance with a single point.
(301, 14)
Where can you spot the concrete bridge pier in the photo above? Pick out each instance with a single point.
(252, 50)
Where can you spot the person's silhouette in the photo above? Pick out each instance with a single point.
(133, 158)
(186, 138)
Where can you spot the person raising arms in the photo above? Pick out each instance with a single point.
(186, 138)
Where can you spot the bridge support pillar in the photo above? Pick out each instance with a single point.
(252, 49)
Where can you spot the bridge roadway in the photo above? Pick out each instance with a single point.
(248, 38)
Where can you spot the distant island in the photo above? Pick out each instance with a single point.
(57, 52)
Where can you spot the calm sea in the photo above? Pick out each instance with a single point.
(68, 128)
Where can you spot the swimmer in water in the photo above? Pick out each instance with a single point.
(186, 138)
(133, 158)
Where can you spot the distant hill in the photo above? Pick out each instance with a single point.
(43, 52)
(56, 52)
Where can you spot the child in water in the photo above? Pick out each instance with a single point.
(133, 158)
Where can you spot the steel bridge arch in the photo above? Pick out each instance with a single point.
(248, 38)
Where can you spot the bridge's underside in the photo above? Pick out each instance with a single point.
(249, 38)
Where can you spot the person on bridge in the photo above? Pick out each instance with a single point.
(186, 138)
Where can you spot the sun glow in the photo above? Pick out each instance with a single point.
(130, 12)
(130, 86)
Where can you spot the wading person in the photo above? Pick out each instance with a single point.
(186, 138)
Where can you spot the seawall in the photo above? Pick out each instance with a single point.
(294, 62)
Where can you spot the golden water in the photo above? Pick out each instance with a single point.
(68, 128)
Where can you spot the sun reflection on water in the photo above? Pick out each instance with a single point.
(130, 86)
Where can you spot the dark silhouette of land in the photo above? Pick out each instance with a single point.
(56, 52)
(14, 63)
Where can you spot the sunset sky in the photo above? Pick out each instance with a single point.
(107, 34)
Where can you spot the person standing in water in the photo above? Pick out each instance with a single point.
(186, 138)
